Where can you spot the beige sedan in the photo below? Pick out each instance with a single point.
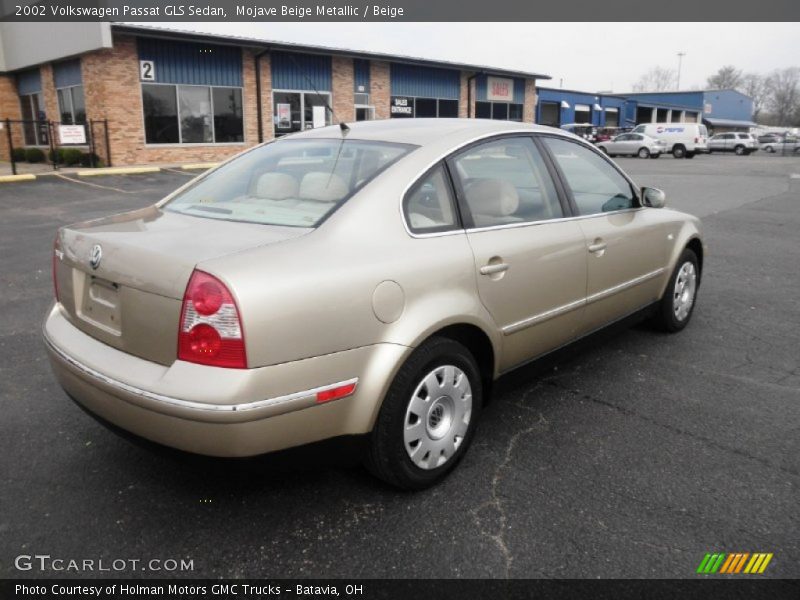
(366, 280)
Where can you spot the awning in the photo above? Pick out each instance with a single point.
(729, 123)
(564, 104)
(611, 109)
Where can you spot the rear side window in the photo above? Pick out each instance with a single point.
(596, 186)
(429, 206)
(296, 183)
(504, 182)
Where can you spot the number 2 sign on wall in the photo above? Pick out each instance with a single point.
(147, 70)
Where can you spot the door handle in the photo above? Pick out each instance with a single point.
(494, 269)
(597, 246)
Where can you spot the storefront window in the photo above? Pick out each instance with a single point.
(423, 108)
(71, 105)
(503, 111)
(195, 107)
(228, 121)
(192, 114)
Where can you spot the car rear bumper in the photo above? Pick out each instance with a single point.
(222, 412)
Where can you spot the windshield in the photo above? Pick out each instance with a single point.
(295, 183)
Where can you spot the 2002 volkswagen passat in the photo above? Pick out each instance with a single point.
(364, 280)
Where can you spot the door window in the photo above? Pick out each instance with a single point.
(504, 182)
(429, 206)
(596, 186)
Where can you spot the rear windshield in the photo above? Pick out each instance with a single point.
(295, 183)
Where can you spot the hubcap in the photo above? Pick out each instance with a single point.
(684, 292)
(437, 417)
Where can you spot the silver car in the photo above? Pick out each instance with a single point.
(634, 144)
(366, 280)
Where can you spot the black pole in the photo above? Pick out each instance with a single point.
(108, 145)
(10, 148)
(92, 146)
(50, 131)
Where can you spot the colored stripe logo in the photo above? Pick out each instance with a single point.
(734, 563)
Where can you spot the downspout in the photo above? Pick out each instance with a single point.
(260, 117)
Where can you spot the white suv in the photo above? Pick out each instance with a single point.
(740, 143)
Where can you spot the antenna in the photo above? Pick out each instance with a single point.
(342, 125)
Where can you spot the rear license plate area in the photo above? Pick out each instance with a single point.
(100, 304)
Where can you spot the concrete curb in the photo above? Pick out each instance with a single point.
(193, 166)
(14, 178)
(117, 171)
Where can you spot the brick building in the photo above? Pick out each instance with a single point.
(172, 96)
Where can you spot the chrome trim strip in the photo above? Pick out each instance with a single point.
(623, 286)
(560, 310)
(295, 401)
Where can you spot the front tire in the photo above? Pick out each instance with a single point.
(428, 416)
(643, 153)
(739, 151)
(677, 304)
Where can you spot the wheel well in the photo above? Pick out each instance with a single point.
(697, 247)
(477, 342)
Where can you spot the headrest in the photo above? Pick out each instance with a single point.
(492, 197)
(322, 187)
(276, 186)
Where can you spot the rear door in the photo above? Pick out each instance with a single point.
(625, 245)
(530, 262)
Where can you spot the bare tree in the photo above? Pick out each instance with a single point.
(657, 79)
(755, 86)
(784, 94)
(727, 78)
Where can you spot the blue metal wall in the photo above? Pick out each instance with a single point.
(425, 82)
(291, 71)
(681, 100)
(361, 74)
(480, 89)
(29, 82)
(572, 98)
(67, 73)
(729, 104)
(192, 63)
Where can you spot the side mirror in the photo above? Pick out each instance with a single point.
(653, 197)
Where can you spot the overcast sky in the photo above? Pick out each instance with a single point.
(586, 56)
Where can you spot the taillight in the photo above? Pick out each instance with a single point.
(57, 255)
(210, 328)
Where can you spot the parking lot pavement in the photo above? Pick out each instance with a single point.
(630, 456)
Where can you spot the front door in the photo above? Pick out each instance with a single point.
(530, 263)
(625, 244)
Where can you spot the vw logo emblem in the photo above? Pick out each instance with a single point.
(96, 256)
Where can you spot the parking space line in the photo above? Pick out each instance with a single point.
(97, 185)
(184, 173)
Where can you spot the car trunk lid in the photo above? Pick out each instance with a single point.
(121, 279)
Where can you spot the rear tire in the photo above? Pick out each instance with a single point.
(643, 153)
(604, 150)
(427, 422)
(677, 304)
(739, 151)
(679, 152)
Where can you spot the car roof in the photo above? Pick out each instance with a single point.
(423, 131)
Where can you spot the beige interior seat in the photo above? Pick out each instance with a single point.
(492, 202)
(276, 186)
(322, 187)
